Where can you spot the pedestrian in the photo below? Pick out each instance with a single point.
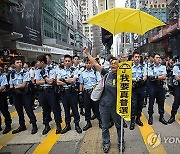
(107, 104)
(44, 78)
(176, 103)
(139, 76)
(88, 79)
(157, 75)
(18, 81)
(66, 79)
(3, 102)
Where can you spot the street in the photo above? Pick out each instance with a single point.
(141, 140)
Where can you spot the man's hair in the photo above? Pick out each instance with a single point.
(156, 54)
(49, 55)
(1, 65)
(33, 63)
(86, 59)
(151, 55)
(67, 56)
(42, 58)
(145, 58)
(135, 52)
(129, 57)
(28, 63)
(75, 56)
(16, 59)
(113, 58)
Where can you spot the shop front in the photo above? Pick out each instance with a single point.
(29, 52)
(166, 41)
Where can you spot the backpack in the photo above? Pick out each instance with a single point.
(98, 89)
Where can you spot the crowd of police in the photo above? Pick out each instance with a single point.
(71, 84)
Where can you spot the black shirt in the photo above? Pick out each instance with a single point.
(109, 96)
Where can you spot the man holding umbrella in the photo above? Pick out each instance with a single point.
(107, 106)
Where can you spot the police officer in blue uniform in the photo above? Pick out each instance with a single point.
(78, 68)
(47, 97)
(88, 79)
(3, 103)
(176, 103)
(157, 73)
(139, 75)
(66, 79)
(148, 65)
(18, 81)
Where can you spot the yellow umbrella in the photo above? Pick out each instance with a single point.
(118, 20)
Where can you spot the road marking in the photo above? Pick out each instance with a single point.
(146, 131)
(7, 137)
(168, 110)
(46, 145)
(13, 114)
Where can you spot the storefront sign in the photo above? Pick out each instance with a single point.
(173, 27)
(30, 47)
(124, 90)
(42, 49)
(59, 51)
(165, 31)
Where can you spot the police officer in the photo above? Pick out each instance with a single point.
(47, 97)
(139, 75)
(66, 79)
(176, 103)
(18, 82)
(50, 63)
(88, 79)
(80, 69)
(33, 82)
(157, 73)
(3, 103)
(148, 66)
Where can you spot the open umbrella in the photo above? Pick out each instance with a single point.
(118, 20)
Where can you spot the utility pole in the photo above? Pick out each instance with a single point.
(106, 48)
(107, 37)
(179, 13)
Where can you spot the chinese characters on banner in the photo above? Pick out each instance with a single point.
(124, 90)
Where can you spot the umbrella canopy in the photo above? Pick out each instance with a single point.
(118, 20)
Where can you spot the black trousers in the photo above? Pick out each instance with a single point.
(48, 100)
(138, 95)
(24, 100)
(176, 102)
(4, 109)
(70, 101)
(90, 104)
(156, 91)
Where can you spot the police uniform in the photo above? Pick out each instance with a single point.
(176, 103)
(48, 99)
(22, 99)
(79, 69)
(4, 105)
(138, 93)
(69, 98)
(33, 85)
(156, 91)
(148, 67)
(89, 79)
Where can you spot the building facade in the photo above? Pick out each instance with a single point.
(93, 33)
(166, 40)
